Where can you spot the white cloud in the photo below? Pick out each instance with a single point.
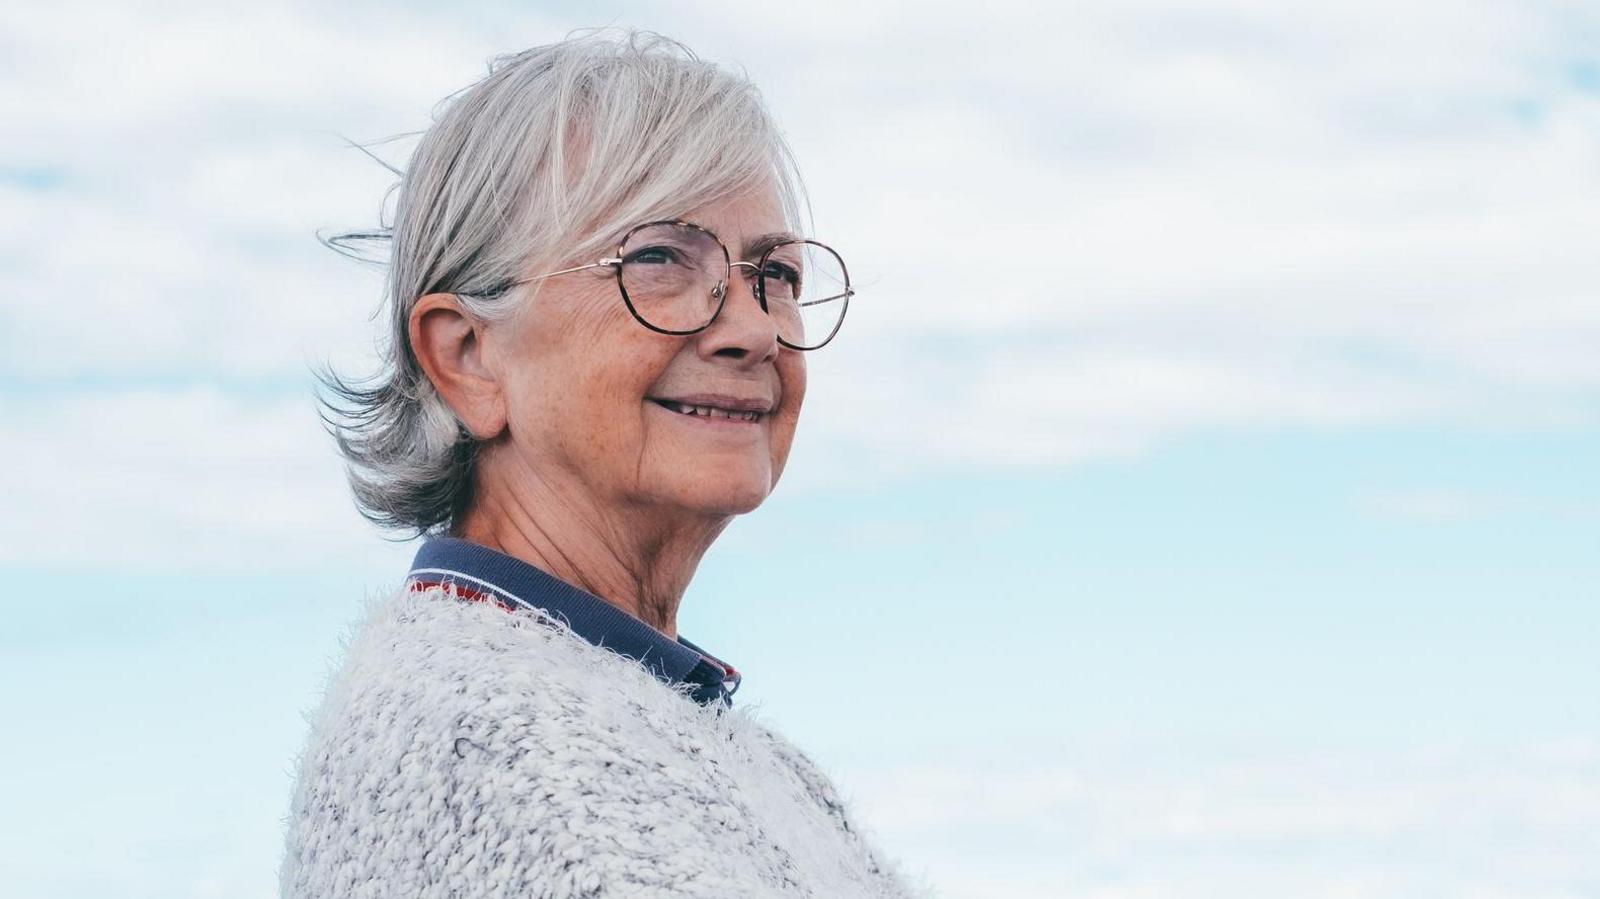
(176, 478)
(1078, 232)
(1446, 505)
(1450, 820)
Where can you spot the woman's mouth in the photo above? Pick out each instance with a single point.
(710, 414)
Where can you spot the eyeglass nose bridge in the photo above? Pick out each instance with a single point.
(720, 291)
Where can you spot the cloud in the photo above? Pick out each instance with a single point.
(1078, 232)
(173, 477)
(1432, 505)
(1447, 505)
(1230, 218)
(1459, 820)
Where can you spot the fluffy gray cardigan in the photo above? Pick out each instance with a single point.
(462, 751)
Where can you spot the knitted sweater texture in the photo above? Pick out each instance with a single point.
(462, 751)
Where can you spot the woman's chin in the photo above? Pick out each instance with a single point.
(729, 493)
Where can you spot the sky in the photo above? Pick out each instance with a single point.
(1200, 500)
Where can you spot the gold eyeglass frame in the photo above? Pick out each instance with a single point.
(720, 291)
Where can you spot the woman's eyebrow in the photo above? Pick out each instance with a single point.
(755, 246)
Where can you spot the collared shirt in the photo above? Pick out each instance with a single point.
(475, 571)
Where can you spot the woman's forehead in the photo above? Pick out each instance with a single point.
(742, 217)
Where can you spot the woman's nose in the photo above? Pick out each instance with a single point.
(742, 324)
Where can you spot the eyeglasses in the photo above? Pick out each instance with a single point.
(674, 278)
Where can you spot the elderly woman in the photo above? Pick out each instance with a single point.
(601, 314)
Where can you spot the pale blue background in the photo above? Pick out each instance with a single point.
(1201, 500)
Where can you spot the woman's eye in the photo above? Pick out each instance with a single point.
(654, 256)
(780, 272)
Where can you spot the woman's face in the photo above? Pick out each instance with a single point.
(582, 378)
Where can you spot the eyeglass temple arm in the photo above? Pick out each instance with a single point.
(604, 263)
(848, 292)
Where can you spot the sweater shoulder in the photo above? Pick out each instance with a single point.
(508, 751)
(481, 752)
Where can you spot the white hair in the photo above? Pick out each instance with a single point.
(552, 155)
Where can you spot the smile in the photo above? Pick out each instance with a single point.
(710, 413)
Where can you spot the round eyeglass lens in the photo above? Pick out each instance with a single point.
(670, 273)
(807, 290)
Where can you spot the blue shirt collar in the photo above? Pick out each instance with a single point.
(479, 570)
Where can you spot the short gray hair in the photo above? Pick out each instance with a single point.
(553, 154)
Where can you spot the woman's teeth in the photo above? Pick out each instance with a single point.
(710, 411)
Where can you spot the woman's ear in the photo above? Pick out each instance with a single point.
(448, 343)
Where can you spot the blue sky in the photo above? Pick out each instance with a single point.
(1200, 500)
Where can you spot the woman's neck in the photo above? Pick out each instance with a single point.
(639, 560)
